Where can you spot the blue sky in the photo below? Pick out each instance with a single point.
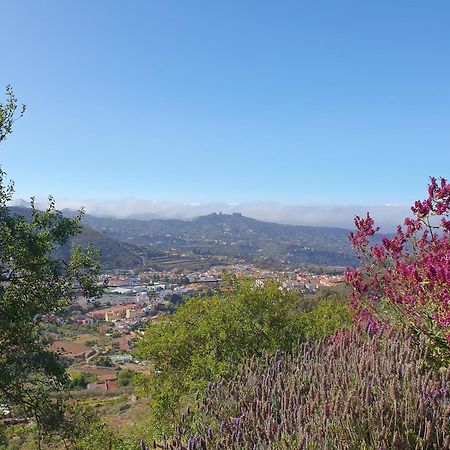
(293, 102)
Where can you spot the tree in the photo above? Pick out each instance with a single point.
(103, 361)
(126, 377)
(79, 380)
(407, 278)
(175, 298)
(207, 338)
(34, 284)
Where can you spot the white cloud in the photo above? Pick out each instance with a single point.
(386, 216)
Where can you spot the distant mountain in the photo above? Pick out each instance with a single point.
(233, 235)
(113, 254)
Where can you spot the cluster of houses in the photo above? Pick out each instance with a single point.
(133, 298)
(127, 311)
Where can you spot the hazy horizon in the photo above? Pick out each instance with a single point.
(341, 216)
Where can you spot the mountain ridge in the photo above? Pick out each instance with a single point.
(132, 243)
(233, 235)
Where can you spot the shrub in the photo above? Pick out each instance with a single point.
(79, 380)
(407, 278)
(350, 392)
(87, 431)
(103, 361)
(126, 377)
(209, 337)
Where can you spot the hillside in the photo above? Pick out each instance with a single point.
(233, 235)
(113, 254)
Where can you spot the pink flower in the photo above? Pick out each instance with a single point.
(411, 269)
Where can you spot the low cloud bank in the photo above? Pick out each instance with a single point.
(386, 216)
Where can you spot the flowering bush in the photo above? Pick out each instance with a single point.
(356, 392)
(407, 277)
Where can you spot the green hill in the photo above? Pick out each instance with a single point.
(113, 254)
(233, 235)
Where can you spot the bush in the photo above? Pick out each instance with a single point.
(126, 377)
(350, 392)
(88, 432)
(327, 314)
(406, 279)
(209, 337)
(103, 361)
(80, 380)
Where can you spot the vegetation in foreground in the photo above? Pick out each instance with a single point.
(406, 279)
(348, 392)
(34, 283)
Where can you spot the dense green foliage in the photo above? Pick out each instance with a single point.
(208, 338)
(126, 377)
(79, 380)
(33, 284)
(89, 432)
(103, 361)
(329, 312)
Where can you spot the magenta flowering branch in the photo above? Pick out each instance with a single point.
(408, 274)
